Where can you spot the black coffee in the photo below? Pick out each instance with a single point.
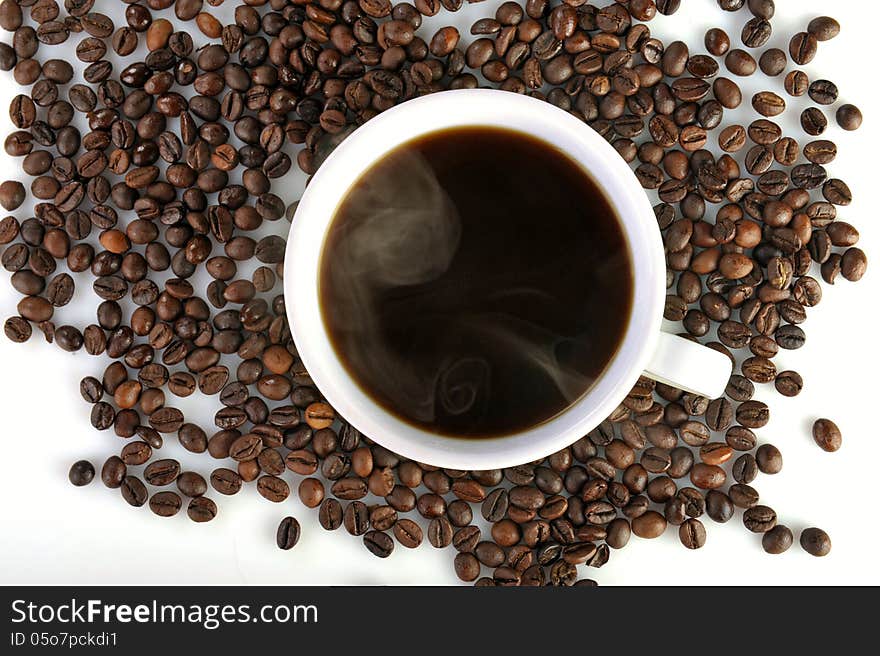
(476, 282)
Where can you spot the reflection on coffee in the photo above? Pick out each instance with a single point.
(475, 282)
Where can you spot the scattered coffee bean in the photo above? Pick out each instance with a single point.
(772, 62)
(133, 491)
(797, 83)
(408, 533)
(815, 542)
(756, 32)
(789, 383)
(378, 543)
(768, 103)
(813, 121)
(739, 252)
(288, 533)
(803, 47)
(827, 435)
(717, 42)
(191, 484)
(719, 507)
(853, 264)
(12, 195)
(740, 63)
(649, 525)
(81, 473)
(824, 28)
(777, 540)
(467, 567)
(759, 519)
(165, 503)
(692, 534)
(849, 117)
(823, 92)
(201, 509)
(769, 459)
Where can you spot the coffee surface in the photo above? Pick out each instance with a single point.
(475, 282)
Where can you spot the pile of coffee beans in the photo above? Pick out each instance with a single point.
(189, 121)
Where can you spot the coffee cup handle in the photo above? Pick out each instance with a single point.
(689, 366)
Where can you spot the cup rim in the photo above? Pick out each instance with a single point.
(435, 112)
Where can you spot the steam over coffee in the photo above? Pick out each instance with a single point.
(475, 282)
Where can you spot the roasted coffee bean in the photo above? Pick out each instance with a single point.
(489, 554)
(133, 491)
(790, 337)
(467, 567)
(466, 539)
(789, 383)
(136, 453)
(494, 507)
(665, 7)
(849, 117)
(311, 491)
(162, 472)
(715, 453)
(191, 484)
(820, 151)
(273, 489)
(330, 514)
(729, 95)
(201, 509)
(759, 370)
(113, 472)
(837, 192)
(815, 542)
(17, 329)
(717, 42)
(719, 507)
(692, 534)
(81, 473)
(165, 504)
(649, 525)
(707, 477)
(769, 459)
(768, 103)
(745, 469)
(288, 533)
(226, 481)
(803, 47)
(409, 534)
(759, 519)
(739, 388)
(756, 32)
(740, 63)
(356, 518)
(743, 496)
(440, 532)
(824, 28)
(753, 414)
(813, 121)
(772, 62)
(382, 518)
(823, 92)
(471, 491)
(827, 435)
(777, 540)
(797, 83)
(378, 543)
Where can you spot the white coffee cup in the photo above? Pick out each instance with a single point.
(645, 349)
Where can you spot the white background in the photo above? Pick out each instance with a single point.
(52, 532)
